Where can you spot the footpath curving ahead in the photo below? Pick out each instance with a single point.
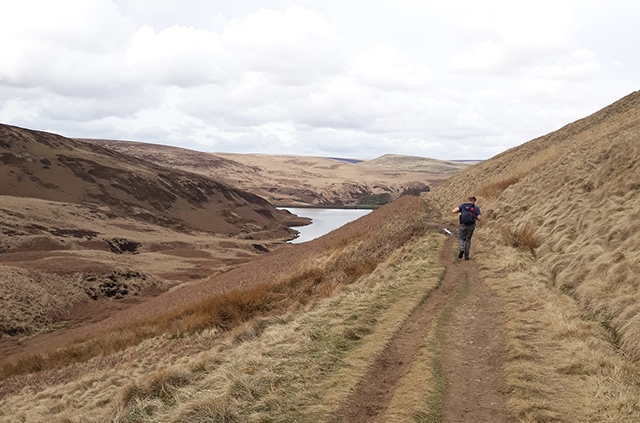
(462, 323)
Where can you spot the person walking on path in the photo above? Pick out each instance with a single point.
(469, 214)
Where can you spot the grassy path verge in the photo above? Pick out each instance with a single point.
(370, 399)
(444, 362)
(563, 365)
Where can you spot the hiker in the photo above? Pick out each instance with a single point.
(469, 213)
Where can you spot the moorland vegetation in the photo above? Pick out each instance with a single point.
(294, 181)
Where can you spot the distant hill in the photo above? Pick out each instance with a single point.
(286, 180)
(416, 164)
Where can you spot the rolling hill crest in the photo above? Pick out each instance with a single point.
(51, 167)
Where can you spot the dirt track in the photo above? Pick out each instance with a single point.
(472, 352)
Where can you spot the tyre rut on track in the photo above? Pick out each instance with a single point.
(472, 351)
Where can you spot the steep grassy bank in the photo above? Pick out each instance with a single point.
(559, 244)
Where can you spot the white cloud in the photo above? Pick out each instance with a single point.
(283, 135)
(53, 42)
(581, 64)
(178, 56)
(91, 26)
(503, 37)
(268, 27)
(295, 47)
(384, 67)
(460, 79)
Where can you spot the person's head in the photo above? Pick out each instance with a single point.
(472, 199)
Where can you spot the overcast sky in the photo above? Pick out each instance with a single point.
(443, 79)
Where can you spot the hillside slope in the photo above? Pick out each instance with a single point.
(559, 242)
(50, 167)
(265, 350)
(576, 190)
(86, 231)
(286, 180)
(312, 320)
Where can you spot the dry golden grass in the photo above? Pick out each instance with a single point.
(573, 316)
(493, 189)
(293, 366)
(342, 263)
(563, 365)
(523, 238)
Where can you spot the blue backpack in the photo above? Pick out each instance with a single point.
(468, 214)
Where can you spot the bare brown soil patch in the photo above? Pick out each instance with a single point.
(472, 353)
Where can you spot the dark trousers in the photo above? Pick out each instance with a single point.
(465, 232)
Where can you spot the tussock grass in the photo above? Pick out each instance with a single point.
(162, 385)
(523, 238)
(573, 315)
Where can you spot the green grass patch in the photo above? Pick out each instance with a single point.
(434, 415)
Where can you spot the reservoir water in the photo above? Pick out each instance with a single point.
(323, 221)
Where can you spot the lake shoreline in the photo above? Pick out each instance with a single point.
(323, 220)
(324, 206)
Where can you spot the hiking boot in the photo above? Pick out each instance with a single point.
(461, 253)
(466, 257)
